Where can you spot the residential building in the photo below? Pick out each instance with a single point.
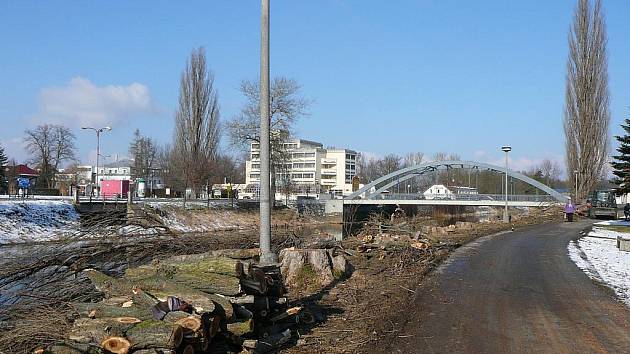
(309, 168)
(438, 191)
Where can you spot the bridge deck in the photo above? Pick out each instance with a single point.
(497, 203)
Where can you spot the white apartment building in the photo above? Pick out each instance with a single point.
(309, 168)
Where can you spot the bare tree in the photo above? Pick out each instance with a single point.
(287, 106)
(196, 124)
(551, 171)
(413, 159)
(586, 113)
(49, 145)
(144, 152)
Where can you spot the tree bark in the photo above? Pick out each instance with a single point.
(155, 334)
(101, 310)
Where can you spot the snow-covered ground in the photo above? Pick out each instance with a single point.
(36, 220)
(598, 256)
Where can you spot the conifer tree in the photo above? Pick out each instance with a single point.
(621, 163)
(3, 162)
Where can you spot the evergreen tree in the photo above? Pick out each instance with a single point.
(3, 178)
(621, 163)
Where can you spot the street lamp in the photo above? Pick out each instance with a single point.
(506, 149)
(98, 147)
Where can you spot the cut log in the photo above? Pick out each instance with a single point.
(241, 328)
(157, 286)
(242, 300)
(213, 283)
(101, 310)
(223, 306)
(110, 286)
(211, 324)
(116, 345)
(250, 344)
(289, 312)
(199, 264)
(87, 330)
(185, 320)
(237, 253)
(143, 299)
(155, 334)
(74, 348)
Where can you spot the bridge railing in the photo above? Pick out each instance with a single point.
(474, 197)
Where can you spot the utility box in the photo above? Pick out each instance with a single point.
(115, 189)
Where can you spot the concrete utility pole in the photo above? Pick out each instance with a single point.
(506, 217)
(266, 256)
(98, 149)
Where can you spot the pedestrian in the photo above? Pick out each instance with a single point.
(626, 211)
(569, 210)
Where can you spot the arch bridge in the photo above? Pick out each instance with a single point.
(378, 191)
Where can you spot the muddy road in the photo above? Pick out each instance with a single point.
(515, 292)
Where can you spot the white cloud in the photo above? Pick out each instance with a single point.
(81, 103)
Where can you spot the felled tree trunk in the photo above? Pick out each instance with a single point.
(241, 327)
(155, 334)
(72, 348)
(88, 330)
(220, 275)
(157, 286)
(101, 310)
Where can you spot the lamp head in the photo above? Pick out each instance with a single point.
(506, 148)
(107, 128)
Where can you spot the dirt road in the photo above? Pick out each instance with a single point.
(515, 292)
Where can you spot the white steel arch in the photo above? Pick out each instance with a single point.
(387, 181)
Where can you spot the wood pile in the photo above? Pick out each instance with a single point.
(185, 304)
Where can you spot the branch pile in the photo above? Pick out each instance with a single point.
(186, 304)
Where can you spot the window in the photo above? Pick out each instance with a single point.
(309, 154)
(255, 156)
(255, 146)
(254, 175)
(256, 165)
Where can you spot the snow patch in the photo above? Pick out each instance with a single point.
(598, 256)
(36, 220)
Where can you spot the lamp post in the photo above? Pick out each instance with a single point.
(506, 217)
(98, 148)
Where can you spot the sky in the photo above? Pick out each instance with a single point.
(453, 76)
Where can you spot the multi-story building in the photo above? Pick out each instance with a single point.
(307, 168)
